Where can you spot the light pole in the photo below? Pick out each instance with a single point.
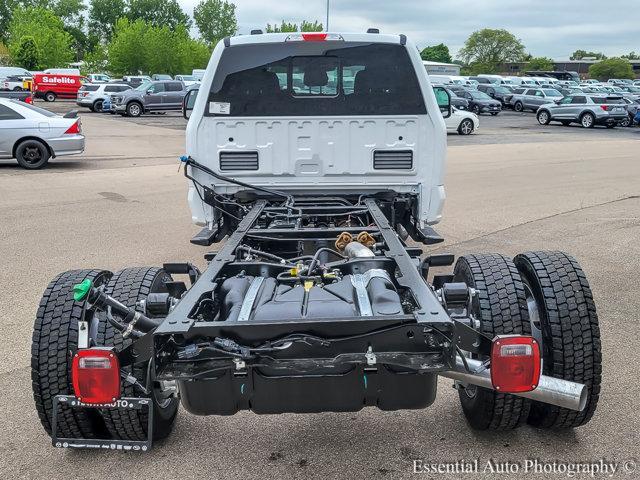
(327, 28)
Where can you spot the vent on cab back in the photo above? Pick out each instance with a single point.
(393, 160)
(238, 161)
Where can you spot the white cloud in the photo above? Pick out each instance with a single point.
(547, 27)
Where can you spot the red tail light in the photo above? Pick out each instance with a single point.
(515, 363)
(604, 107)
(74, 129)
(95, 373)
(314, 37)
(29, 100)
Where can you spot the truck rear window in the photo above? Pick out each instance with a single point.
(315, 79)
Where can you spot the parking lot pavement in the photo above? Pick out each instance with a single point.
(123, 204)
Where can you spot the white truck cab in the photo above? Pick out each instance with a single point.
(319, 113)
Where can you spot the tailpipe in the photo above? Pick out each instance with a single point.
(555, 391)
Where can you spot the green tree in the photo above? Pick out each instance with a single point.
(580, 54)
(485, 50)
(127, 47)
(215, 20)
(96, 60)
(103, 15)
(611, 68)
(6, 12)
(27, 54)
(631, 56)
(158, 13)
(314, 26)
(540, 63)
(286, 27)
(54, 44)
(436, 53)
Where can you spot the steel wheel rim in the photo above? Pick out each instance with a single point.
(466, 127)
(587, 121)
(134, 110)
(163, 391)
(542, 118)
(534, 314)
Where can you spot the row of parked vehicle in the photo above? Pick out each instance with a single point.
(589, 103)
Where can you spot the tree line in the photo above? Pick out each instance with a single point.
(486, 50)
(120, 36)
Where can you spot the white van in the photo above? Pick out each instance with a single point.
(63, 71)
(13, 72)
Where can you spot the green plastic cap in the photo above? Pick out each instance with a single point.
(81, 290)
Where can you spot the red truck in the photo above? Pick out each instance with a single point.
(51, 86)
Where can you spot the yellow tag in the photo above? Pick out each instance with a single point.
(294, 272)
(308, 285)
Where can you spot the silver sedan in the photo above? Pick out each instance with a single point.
(33, 135)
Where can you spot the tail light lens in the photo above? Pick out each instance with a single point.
(604, 107)
(74, 129)
(515, 363)
(95, 374)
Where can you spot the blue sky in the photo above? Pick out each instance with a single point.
(547, 28)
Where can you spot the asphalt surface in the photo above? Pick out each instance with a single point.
(514, 186)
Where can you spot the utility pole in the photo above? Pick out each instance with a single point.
(327, 27)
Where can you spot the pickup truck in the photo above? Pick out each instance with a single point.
(316, 162)
(150, 96)
(532, 98)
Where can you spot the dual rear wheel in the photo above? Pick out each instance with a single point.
(55, 339)
(547, 295)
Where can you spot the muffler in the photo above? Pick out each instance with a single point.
(555, 391)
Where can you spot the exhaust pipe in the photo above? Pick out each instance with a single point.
(555, 391)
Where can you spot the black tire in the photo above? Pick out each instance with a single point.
(502, 311)
(32, 154)
(97, 106)
(570, 332)
(493, 114)
(134, 109)
(466, 127)
(626, 122)
(129, 286)
(587, 120)
(544, 117)
(611, 125)
(476, 109)
(55, 338)
(50, 97)
(518, 107)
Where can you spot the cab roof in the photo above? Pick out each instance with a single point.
(263, 38)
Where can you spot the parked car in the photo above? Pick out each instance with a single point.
(135, 80)
(633, 106)
(188, 80)
(479, 102)
(463, 122)
(456, 101)
(33, 135)
(23, 96)
(161, 76)
(587, 110)
(497, 92)
(150, 97)
(532, 98)
(14, 83)
(619, 81)
(98, 78)
(93, 96)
